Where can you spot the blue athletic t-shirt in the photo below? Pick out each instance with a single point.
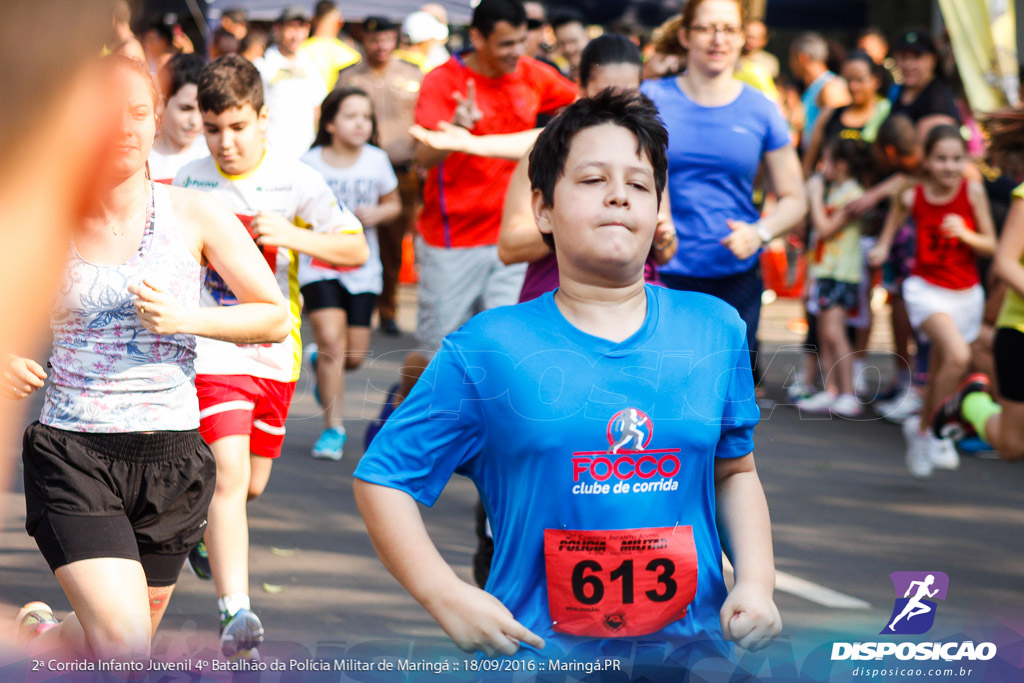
(713, 156)
(523, 403)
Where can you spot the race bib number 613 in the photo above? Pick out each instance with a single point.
(622, 583)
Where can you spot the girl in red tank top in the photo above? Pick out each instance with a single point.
(943, 297)
(943, 258)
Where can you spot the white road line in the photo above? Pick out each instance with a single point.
(808, 590)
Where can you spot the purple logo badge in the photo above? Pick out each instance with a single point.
(914, 610)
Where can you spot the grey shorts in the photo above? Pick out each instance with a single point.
(456, 284)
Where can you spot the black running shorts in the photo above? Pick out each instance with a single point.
(332, 294)
(140, 496)
(1008, 349)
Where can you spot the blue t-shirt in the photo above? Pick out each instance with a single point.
(518, 398)
(713, 156)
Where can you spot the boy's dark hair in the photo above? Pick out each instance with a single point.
(321, 10)
(611, 48)
(940, 133)
(489, 12)
(567, 16)
(235, 14)
(228, 82)
(631, 110)
(254, 35)
(898, 132)
(179, 71)
(329, 110)
(165, 32)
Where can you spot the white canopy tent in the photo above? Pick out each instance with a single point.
(459, 11)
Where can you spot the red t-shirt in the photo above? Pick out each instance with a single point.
(463, 196)
(941, 260)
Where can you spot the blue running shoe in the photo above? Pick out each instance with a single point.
(240, 633)
(330, 444)
(199, 562)
(385, 413)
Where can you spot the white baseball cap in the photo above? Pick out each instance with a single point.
(422, 26)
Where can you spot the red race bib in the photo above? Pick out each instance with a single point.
(623, 583)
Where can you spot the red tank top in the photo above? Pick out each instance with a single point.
(941, 260)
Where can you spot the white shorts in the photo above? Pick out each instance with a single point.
(456, 284)
(965, 306)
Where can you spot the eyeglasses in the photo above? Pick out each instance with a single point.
(534, 24)
(706, 31)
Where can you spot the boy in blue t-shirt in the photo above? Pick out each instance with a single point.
(607, 426)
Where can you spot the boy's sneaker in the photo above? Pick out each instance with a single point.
(199, 562)
(819, 404)
(330, 444)
(902, 407)
(947, 420)
(31, 620)
(799, 388)
(918, 462)
(240, 633)
(385, 413)
(846, 405)
(942, 453)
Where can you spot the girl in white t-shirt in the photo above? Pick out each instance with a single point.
(340, 302)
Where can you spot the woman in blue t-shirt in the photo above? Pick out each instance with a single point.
(720, 131)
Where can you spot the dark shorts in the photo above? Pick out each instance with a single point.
(139, 496)
(1008, 349)
(332, 294)
(742, 291)
(833, 293)
(902, 255)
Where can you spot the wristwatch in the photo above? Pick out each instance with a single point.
(764, 234)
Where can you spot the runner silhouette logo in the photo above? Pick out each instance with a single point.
(913, 612)
(629, 425)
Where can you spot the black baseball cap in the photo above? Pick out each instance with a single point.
(915, 41)
(374, 24)
(294, 13)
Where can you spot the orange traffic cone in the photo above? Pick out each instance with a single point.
(407, 274)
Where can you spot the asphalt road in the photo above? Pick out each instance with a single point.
(845, 515)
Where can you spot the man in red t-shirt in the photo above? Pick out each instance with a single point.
(493, 88)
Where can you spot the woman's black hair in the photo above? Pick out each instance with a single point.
(610, 48)
(860, 56)
(329, 110)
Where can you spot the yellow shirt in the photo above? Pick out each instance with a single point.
(756, 77)
(417, 59)
(1012, 313)
(330, 56)
(839, 257)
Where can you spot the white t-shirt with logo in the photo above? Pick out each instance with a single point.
(293, 89)
(163, 167)
(361, 184)
(298, 193)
